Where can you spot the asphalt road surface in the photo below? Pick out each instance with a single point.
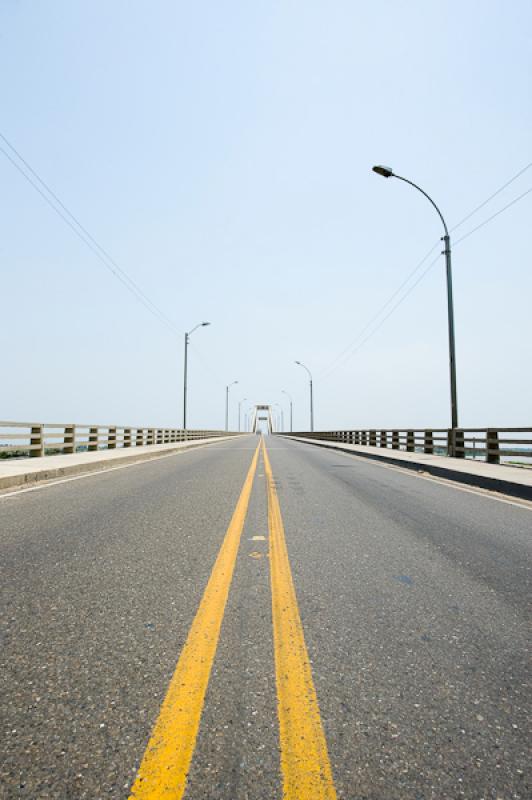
(237, 624)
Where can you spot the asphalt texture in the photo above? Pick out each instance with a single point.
(413, 596)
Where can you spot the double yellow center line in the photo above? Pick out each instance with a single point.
(305, 763)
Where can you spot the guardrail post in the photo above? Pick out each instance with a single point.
(429, 443)
(450, 442)
(383, 439)
(410, 443)
(395, 440)
(350, 437)
(357, 437)
(492, 443)
(139, 437)
(93, 439)
(127, 437)
(111, 439)
(69, 439)
(373, 438)
(459, 449)
(37, 437)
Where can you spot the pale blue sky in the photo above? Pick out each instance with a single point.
(221, 152)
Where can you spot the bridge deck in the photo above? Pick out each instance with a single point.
(392, 637)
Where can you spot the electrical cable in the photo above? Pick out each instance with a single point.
(489, 219)
(389, 314)
(485, 202)
(83, 234)
(340, 357)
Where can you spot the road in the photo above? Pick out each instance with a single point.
(238, 624)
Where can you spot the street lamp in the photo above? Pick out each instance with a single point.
(239, 405)
(291, 408)
(311, 397)
(227, 403)
(387, 172)
(185, 377)
(249, 417)
(282, 416)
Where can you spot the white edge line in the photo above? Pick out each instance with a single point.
(489, 494)
(98, 472)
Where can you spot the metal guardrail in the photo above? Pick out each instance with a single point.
(39, 439)
(494, 445)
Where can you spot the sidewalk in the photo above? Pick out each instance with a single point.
(29, 471)
(514, 481)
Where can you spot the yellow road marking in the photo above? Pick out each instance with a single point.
(305, 762)
(164, 768)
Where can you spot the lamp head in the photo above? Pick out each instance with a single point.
(386, 172)
(204, 324)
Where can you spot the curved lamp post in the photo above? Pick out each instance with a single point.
(281, 418)
(249, 417)
(185, 377)
(227, 403)
(291, 408)
(239, 407)
(311, 395)
(387, 172)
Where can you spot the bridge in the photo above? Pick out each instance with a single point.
(213, 614)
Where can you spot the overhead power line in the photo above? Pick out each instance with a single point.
(51, 198)
(394, 307)
(489, 219)
(487, 200)
(346, 352)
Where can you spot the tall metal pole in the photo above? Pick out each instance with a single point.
(185, 385)
(227, 404)
(450, 318)
(311, 394)
(185, 375)
(280, 417)
(291, 408)
(387, 172)
(244, 399)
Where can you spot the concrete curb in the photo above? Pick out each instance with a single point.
(32, 478)
(491, 483)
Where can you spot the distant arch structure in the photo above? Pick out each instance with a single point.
(262, 413)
